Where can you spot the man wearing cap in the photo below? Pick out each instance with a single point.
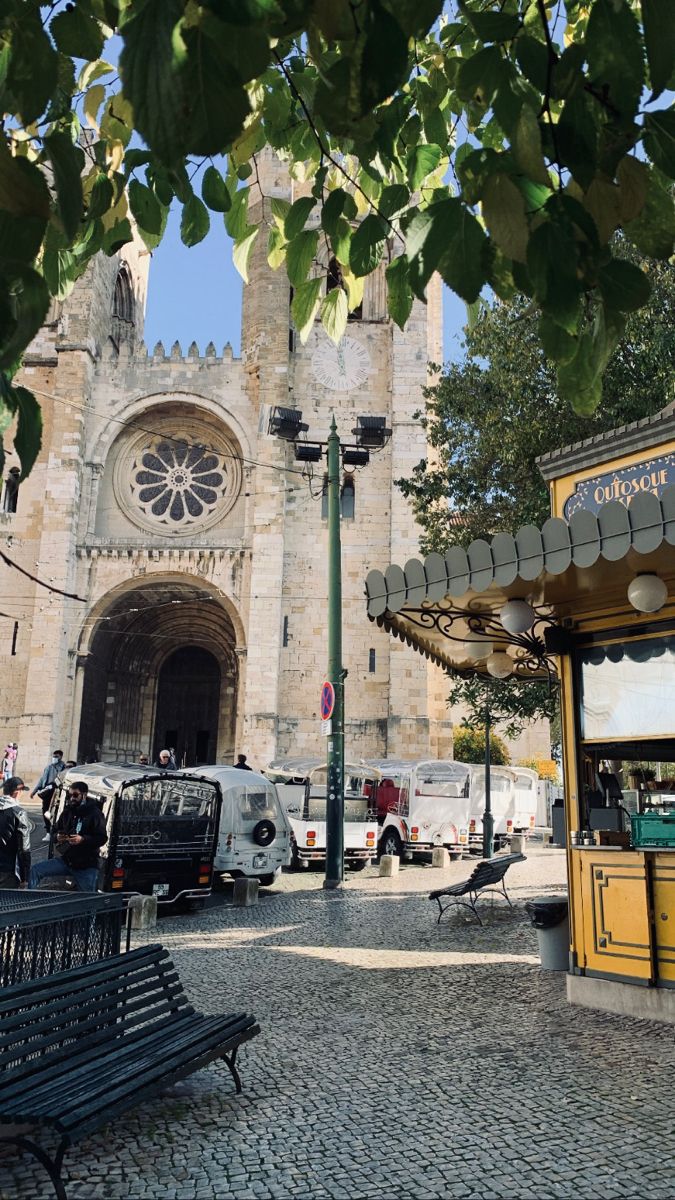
(14, 836)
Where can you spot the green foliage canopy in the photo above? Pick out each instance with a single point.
(469, 747)
(498, 142)
(493, 414)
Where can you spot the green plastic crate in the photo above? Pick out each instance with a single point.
(652, 829)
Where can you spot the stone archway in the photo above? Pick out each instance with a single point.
(156, 636)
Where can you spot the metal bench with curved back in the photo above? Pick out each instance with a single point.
(488, 876)
(82, 1046)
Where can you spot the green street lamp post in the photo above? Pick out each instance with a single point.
(335, 798)
(370, 434)
(488, 819)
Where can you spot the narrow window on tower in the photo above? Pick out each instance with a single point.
(324, 499)
(10, 493)
(371, 660)
(285, 632)
(347, 498)
(291, 331)
(123, 311)
(334, 280)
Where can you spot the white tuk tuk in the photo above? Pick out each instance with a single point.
(254, 835)
(525, 814)
(421, 805)
(502, 803)
(302, 789)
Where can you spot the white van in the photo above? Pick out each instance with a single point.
(502, 804)
(254, 835)
(421, 805)
(525, 814)
(302, 789)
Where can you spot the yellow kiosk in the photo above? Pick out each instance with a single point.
(590, 599)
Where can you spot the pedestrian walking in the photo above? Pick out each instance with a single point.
(242, 764)
(14, 836)
(9, 760)
(80, 833)
(46, 786)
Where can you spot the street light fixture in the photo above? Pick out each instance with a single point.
(286, 423)
(371, 432)
(308, 451)
(355, 456)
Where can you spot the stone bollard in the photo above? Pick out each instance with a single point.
(143, 912)
(389, 865)
(440, 857)
(517, 843)
(245, 892)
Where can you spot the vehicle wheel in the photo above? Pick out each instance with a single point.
(455, 857)
(359, 865)
(196, 905)
(390, 843)
(266, 880)
(264, 833)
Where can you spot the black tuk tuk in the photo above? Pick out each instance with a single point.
(162, 829)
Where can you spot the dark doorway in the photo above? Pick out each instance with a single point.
(188, 701)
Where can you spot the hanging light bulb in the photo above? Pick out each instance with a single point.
(517, 616)
(647, 593)
(499, 664)
(477, 647)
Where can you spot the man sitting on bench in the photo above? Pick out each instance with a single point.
(80, 833)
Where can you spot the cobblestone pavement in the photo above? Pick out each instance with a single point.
(398, 1059)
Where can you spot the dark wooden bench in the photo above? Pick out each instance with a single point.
(80, 1047)
(488, 876)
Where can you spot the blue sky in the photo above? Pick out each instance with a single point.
(195, 294)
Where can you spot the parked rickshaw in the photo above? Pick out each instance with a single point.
(162, 829)
(421, 805)
(525, 808)
(301, 784)
(254, 837)
(502, 804)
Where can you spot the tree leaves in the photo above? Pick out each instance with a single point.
(552, 265)
(214, 191)
(300, 256)
(77, 33)
(615, 57)
(305, 306)
(149, 214)
(447, 238)
(659, 32)
(241, 252)
(195, 222)
(624, 287)
(334, 312)
(503, 210)
(28, 304)
(297, 215)
(399, 295)
(66, 162)
(659, 140)
(367, 246)
(150, 73)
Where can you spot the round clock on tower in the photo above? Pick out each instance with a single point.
(343, 367)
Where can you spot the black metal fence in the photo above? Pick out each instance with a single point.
(44, 932)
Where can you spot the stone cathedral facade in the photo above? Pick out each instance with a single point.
(192, 548)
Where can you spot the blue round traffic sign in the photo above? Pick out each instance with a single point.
(327, 701)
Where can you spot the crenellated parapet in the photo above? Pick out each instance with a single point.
(141, 355)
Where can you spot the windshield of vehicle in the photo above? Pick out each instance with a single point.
(253, 803)
(525, 783)
(442, 779)
(155, 814)
(357, 808)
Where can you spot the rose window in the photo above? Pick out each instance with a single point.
(179, 483)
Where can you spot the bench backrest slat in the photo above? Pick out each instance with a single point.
(123, 988)
(63, 983)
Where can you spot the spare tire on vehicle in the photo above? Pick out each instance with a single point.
(264, 833)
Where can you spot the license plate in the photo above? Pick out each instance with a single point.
(160, 889)
(259, 860)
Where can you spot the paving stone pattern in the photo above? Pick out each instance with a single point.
(398, 1059)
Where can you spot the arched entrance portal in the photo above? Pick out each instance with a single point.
(188, 698)
(161, 669)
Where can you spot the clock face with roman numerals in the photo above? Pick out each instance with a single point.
(343, 367)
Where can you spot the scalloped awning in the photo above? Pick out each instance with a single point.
(566, 569)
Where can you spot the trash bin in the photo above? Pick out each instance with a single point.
(549, 915)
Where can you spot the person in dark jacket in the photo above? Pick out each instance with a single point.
(80, 833)
(47, 785)
(14, 836)
(165, 759)
(241, 763)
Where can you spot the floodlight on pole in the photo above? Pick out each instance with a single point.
(286, 423)
(371, 433)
